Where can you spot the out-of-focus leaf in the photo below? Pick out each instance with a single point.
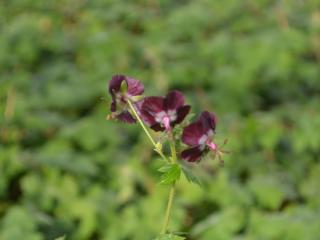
(310, 185)
(61, 238)
(269, 192)
(18, 224)
(221, 225)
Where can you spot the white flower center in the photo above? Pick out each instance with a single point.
(172, 114)
(210, 133)
(159, 116)
(204, 138)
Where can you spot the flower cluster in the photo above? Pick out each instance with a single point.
(163, 114)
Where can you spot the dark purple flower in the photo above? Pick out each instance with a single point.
(122, 89)
(198, 135)
(163, 113)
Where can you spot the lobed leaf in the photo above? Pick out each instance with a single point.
(171, 173)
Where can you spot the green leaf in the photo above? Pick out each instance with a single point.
(223, 223)
(268, 190)
(171, 173)
(191, 177)
(170, 237)
(165, 168)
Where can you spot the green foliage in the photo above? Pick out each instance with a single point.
(66, 171)
(170, 173)
(17, 224)
(170, 237)
(222, 225)
(268, 192)
(61, 238)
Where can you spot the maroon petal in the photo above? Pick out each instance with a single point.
(135, 87)
(115, 83)
(147, 118)
(114, 87)
(138, 106)
(157, 127)
(193, 133)
(192, 154)
(126, 117)
(208, 121)
(153, 105)
(182, 112)
(174, 100)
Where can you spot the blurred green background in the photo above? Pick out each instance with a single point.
(65, 170)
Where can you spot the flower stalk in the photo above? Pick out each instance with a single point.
(173, 160)
(159, 151)
(169, 209)
(172, 191)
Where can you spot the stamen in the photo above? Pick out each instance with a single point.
(212, 146)
(159, 116)
(166, 122)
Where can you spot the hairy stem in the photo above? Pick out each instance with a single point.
(169, 209)
(172, 191)
(173, 160)
(146, 130)
(173, 151)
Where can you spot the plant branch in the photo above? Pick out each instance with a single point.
(173, 160)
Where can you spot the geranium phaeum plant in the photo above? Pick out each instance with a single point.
(164, 114)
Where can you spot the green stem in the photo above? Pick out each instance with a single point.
(172, 191)
(169, 209)
(174, 160)
(146, 130)
(173, 151)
